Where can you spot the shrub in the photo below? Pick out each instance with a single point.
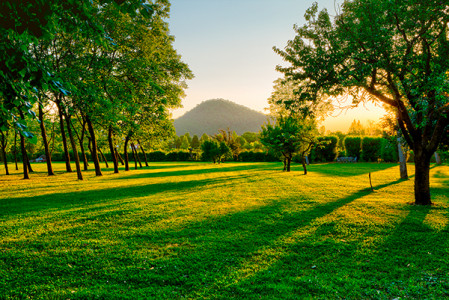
(389, 150)
(325, 150)
(156, 156)
(353, 146)
(372, 147)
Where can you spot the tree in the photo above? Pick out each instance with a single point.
(195, 142)
(393, 52)
(289, 135)
(214, 150)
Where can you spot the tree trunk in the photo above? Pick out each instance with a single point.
(112, 150)
(437, 158)
(120, 158)
(125, 153)
(134, 155)
(289, 161)
(402, 160)
(24, 153)
(94, 147)
(30, 169)
(144, 154)
(15, 150)
(75, 151)
(422, 182)
(138, 157)
(83, 151)
(24, 158)
(68, 167)
(45, 141)
(304, 165)
(104, 158)
(3, 145)
(285, 164)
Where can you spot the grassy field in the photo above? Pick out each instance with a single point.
(236, 230)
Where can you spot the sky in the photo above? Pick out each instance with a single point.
(228, 46)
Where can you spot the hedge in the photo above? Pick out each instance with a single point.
(389, 150)
(371, 147)
(353, 146)
(326, 150)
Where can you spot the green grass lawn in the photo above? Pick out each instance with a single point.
(236, 230)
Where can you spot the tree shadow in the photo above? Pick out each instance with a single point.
(62, 201)
(349, 169)
(203, 170)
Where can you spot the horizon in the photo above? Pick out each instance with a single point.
(333, 123)
(232, 57)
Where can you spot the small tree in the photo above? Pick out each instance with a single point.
(289, 136)
(214, 150)
(195, 142)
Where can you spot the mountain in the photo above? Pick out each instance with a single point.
(212, 115)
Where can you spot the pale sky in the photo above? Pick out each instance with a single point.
(228, 46)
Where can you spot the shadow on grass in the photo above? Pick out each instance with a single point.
(226, 244)
(205, 169)
(60, 201)
(349, 169)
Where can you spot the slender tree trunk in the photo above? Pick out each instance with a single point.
(304, 165)
(30, 169)
(68, 167)
(437, 158)
(112, 150)
(138, 157)
(75, 151)
(94, 147)
(422, 177)
(125, 153)
(24, 158)
(134, 155)
(81, 141)
(24, 153)
(104, 158)
(120, 158)
(144, 154)
(15, 150)
(5, 159)
(402, 160)
(45, 142)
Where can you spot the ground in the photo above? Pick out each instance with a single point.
(235, 230)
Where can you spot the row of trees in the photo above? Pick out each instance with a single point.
(91, 68)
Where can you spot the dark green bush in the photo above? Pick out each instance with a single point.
(353, 146)
(156, 156)
(254, 156)
(389, 150)
(325, 150)
(372, 147)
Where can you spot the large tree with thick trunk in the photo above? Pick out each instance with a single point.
(395, 52)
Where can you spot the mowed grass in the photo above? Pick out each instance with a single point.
(235, 230)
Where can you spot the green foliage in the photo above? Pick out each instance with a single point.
(372, 148)
(257, 156)
(389, 150)
(214, 150)
(353, 146)
(195, 142)
(325, 149)
(289, 135)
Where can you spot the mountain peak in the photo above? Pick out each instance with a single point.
(211, 115)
